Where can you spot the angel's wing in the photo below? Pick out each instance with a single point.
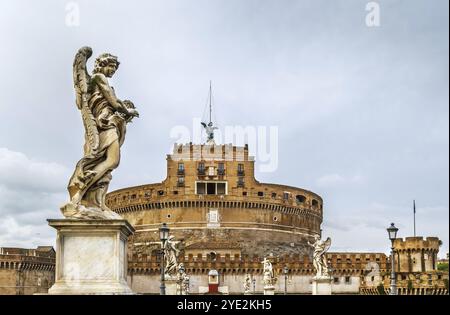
(81, 80)
(203, 124)
(327, 245)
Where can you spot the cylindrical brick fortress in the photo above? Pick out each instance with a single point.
(211, 200)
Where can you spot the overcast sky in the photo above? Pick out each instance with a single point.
(362, 112)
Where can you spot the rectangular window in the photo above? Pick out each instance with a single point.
(221, 189)
(240, 169)
(181, 166)
(201, 188)
(181, 181)
(211, 188)
(286, 196)
(274, 195)
(201, 168)
(260, 194)
(347, 280)
(221, 169)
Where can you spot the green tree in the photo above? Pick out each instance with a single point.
(442, 266)
(410, 285)
(380, 289)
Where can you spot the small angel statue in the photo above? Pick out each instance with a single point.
(171, 251)
(209, 129)
(319, 256)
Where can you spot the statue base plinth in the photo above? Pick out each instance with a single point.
(171, 286)
(91, 256)
(269, 290)
(321, 285)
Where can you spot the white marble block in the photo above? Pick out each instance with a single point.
(91, 256)
(321, 286)
(269, 290)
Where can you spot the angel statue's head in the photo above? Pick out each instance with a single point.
(106, 64)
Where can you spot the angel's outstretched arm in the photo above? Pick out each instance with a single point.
(108, 93)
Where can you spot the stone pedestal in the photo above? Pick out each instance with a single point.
(321, 286)
(171, 286)
(91, 256)
(269, 290)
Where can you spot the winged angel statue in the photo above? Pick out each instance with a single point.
(319, 258)
(104, 118)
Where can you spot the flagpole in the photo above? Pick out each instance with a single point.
(414, 207)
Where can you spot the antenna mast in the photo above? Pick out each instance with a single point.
(210, 103)
(414, 211)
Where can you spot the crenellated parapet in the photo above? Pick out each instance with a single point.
(417, 243)
(416, 254)
(41, 258)
(342, 264)
(26, 271)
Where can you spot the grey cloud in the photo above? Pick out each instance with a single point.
(19, 172)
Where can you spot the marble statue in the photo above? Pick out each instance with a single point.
(247, 283)
(185, 285)
(183, 281)
(268, 276)
(171, 252)
(104, 118)
(319, 256)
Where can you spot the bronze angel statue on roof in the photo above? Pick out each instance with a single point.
(104, 118)
(320, 262)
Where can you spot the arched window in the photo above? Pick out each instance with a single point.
(300, 198)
